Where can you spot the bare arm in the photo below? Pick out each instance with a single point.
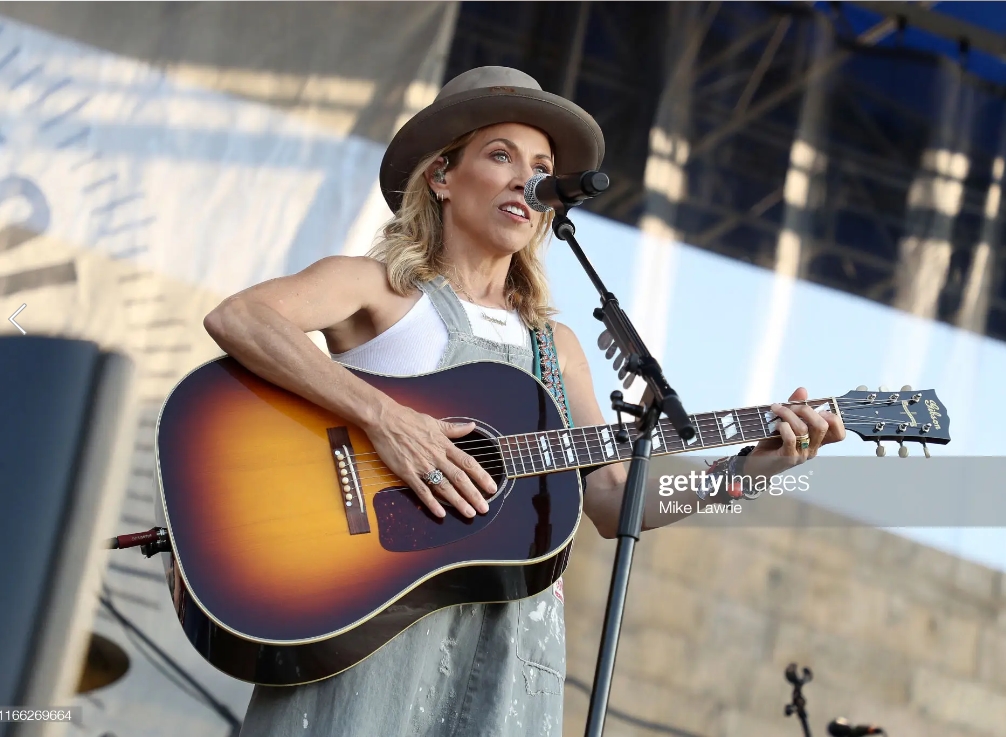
(265, 329)
(605, 487)
(602, 501)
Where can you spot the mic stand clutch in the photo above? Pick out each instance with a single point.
(799, 704)
(659, 398)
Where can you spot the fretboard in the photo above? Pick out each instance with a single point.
(535, 453)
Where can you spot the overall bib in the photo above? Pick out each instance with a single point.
(482, 670)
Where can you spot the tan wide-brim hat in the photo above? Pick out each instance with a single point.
(487, 96)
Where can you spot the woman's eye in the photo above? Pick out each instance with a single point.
(544, 170)
(504, 154)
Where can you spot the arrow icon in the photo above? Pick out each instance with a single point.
(11, 318)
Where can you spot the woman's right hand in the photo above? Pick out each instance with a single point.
(412, 444)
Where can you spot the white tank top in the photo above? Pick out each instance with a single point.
(416, 343)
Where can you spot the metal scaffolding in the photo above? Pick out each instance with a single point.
(908, 208)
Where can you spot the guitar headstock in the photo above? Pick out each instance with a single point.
(904, 416)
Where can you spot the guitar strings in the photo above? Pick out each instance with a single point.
(379, 471)
(391, 479)
(584, 442)
(746, 414)
(589, 445)
(375, 476)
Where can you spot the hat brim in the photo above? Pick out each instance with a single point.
(578, 141)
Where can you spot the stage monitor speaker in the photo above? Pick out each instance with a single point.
(67, 420)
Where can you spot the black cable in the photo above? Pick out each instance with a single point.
(636, 721)
(146, 653)
(220, 708)
(168, 675)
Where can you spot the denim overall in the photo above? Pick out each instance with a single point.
(482, 670)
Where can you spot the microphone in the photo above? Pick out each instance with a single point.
(543, 192)
(841, 728)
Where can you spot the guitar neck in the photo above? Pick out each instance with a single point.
(536, 453)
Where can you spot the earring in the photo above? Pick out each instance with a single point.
(439, 176)
(440, 196)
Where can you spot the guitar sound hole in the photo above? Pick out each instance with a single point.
(405, 524)
(484, 449)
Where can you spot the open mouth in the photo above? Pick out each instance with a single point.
(517, 211)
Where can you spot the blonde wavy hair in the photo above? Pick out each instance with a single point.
(411, 245)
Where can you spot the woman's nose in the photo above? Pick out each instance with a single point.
(521, 177)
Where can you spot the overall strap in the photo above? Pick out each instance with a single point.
(546, 368)
(447, 305)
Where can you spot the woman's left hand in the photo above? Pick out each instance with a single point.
(778, 454)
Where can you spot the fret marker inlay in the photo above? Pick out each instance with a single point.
(544, 450)
(609, 448)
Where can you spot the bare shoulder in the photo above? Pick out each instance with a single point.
(350, 271)
(568, 348)
(326, 293)
(576, 377)
(358, 280)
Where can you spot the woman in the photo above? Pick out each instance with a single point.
(457, 277)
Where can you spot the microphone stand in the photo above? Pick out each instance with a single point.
(798, 705)
(658, 398)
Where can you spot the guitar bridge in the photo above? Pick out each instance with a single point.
(350, 489)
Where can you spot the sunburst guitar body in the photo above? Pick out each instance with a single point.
(286, 570)
(296, 553)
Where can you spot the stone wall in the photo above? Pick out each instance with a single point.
(896, 633)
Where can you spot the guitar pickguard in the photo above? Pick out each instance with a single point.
(406, 525)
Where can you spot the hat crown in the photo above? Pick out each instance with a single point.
(485, 77)
(488, 96)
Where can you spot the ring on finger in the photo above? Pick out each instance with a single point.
(434, 477)
(803, 441)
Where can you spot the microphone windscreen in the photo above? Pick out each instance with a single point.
(531, 198)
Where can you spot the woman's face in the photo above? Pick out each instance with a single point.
(485, 191)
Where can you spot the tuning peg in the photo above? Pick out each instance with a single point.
(881, 450)
(903, 451)
(611, 350)
(619, 360)
(628, 381)
(622, 372)
(862, 388)
(883, 388)
(906, 388)
(925, 448)
(604, 340)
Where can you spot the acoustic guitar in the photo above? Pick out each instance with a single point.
(296, 553)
